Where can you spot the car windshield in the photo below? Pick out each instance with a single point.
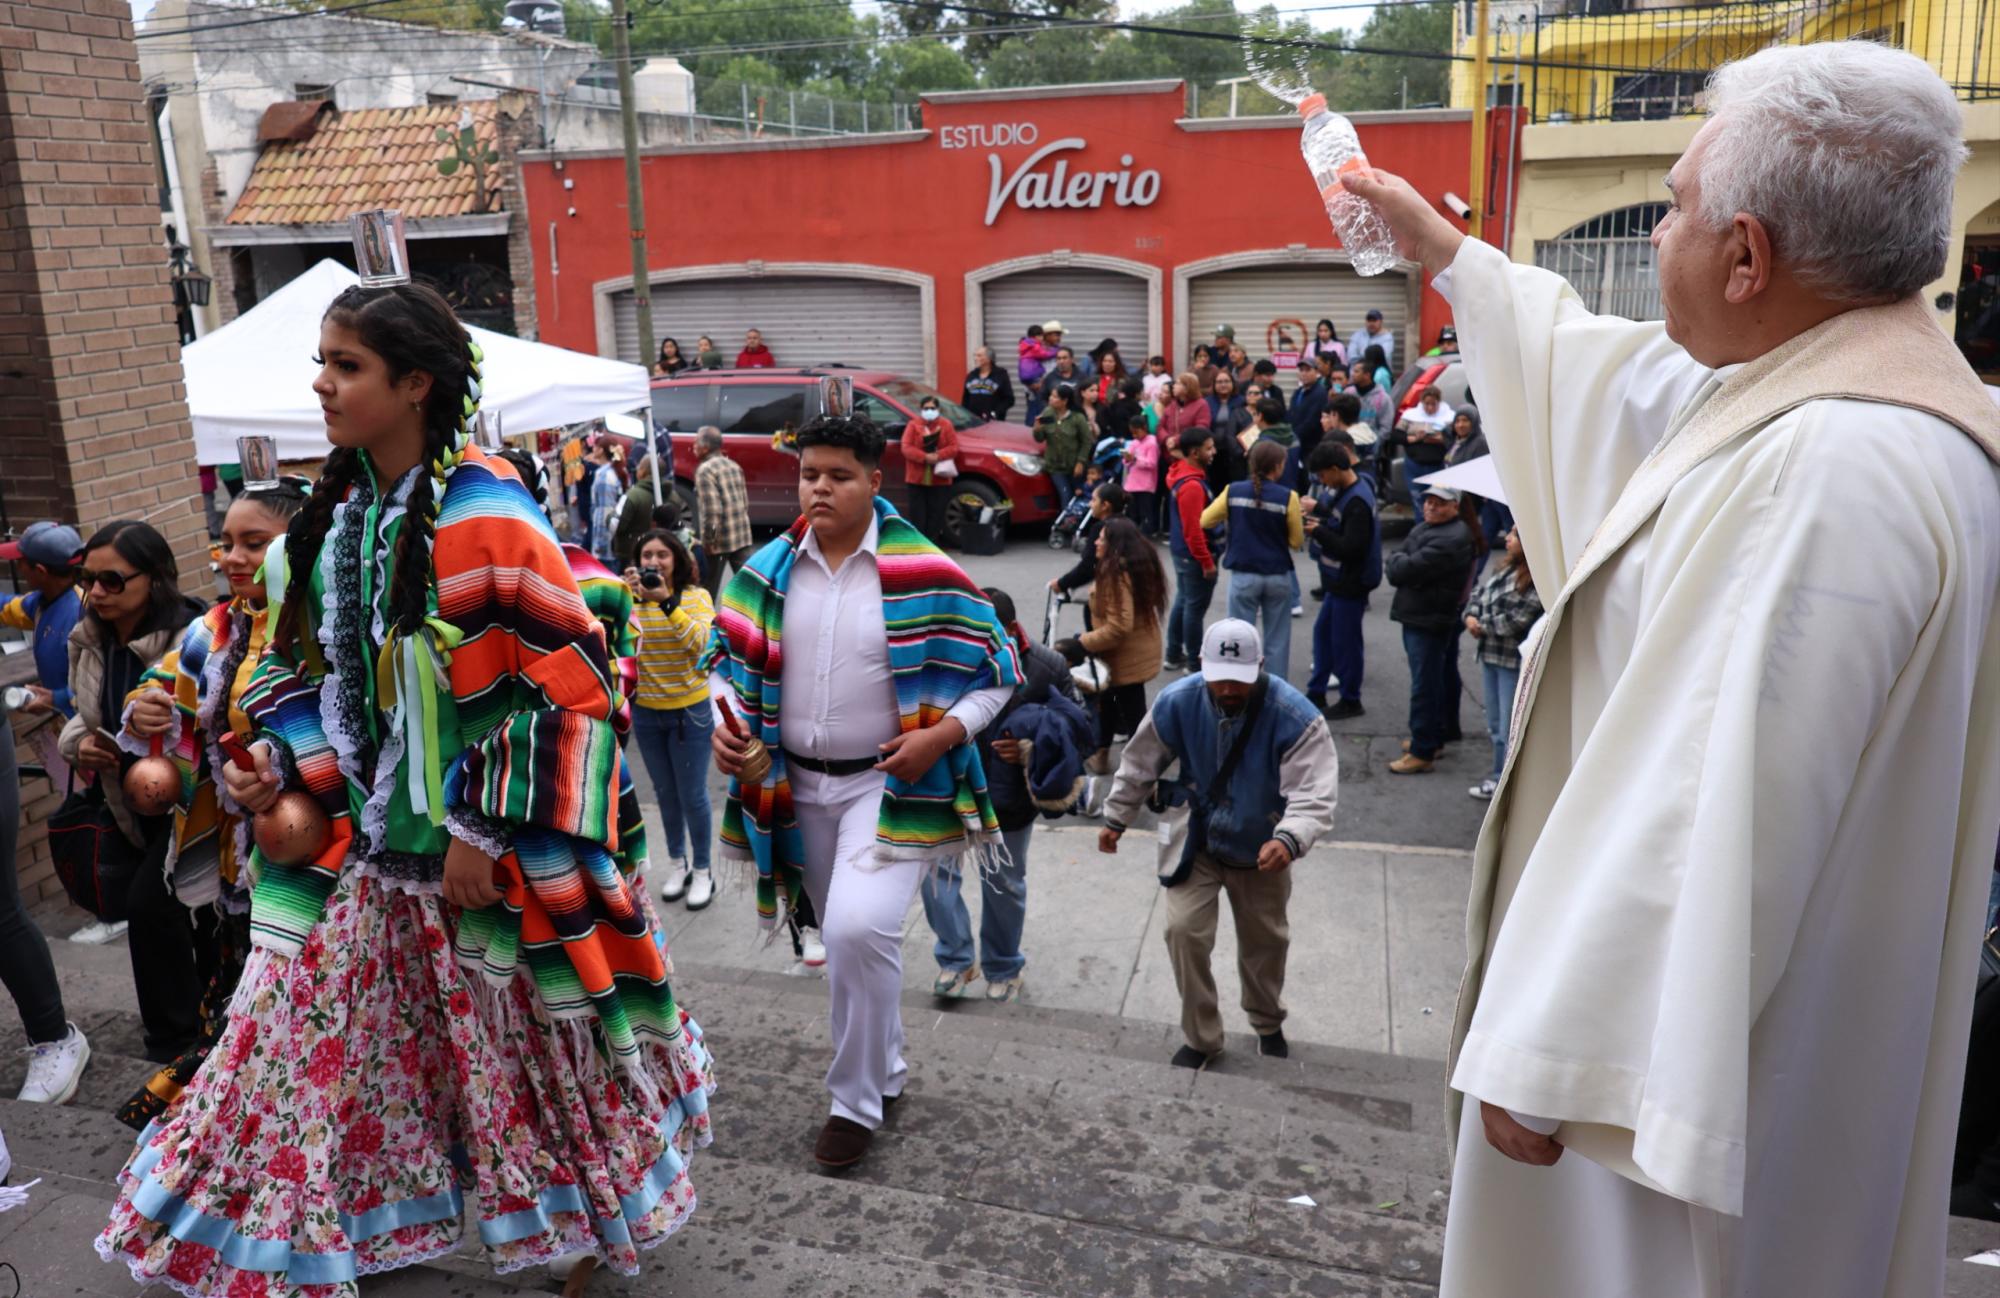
(910, 393)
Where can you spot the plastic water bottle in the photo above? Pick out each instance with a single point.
(1332, 150)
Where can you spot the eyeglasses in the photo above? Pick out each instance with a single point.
(113, 582)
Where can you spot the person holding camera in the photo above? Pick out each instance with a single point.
(1259, 776)
(670, 716)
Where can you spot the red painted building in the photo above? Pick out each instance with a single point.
(1101, 206)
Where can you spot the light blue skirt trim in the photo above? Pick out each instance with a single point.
(183, 1221)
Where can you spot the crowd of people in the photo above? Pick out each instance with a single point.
(1233, 474)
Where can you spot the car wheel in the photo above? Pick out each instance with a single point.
(963, 512)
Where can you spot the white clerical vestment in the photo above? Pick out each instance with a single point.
(1726, 905)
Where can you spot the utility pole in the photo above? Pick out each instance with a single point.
(635, 198)
(1475, 223)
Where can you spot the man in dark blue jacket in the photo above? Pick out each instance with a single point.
(1275, 803)
(1307, 403)
(1345, 537)
(1003, 893)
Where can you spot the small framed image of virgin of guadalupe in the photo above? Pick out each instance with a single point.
(258, 458)
(380, 253)
(836, 396)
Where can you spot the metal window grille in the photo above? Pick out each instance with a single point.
(1609, 261)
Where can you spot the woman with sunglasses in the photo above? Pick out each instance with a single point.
(189, 700)
(133, 613)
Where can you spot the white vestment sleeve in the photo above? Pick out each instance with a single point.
(1570, 402)
(976, 710)
(1687, 857)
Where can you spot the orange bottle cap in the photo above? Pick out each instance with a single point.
(1313, 103)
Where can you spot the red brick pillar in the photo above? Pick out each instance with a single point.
(93, 415)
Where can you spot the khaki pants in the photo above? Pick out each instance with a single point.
(1257, 901)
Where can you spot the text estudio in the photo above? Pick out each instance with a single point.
(1056, 187)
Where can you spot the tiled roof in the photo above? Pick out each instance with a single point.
(368, 158)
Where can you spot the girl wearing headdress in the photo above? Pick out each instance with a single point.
(454, 1005)
(189, 701)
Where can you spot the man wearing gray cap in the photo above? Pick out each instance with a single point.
(48, 554)
(1372, 334)
(1430, 573)
(1259, 777)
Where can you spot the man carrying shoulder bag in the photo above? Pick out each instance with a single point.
(1256, 787)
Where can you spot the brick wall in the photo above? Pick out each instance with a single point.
(93, 415)
(223, 264)
(520, 128)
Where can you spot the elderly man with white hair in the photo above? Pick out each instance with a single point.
(1726, 905)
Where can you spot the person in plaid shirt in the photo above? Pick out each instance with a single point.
(723, 501)
(1502, 610)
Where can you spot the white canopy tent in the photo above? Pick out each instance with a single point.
(253, 376)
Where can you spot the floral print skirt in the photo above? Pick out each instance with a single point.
(368, 1090)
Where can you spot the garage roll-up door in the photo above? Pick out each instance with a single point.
(1252, 299)
(1092, 304)
(806, 320)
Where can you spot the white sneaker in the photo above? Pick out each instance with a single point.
(700, 889)
(679, 875)
(813, 955)
(55, 1068)
(1484, 790)
(97, 933)
(1298, 610)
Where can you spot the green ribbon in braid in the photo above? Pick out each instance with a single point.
(410, 671)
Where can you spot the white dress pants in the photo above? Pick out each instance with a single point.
(861, 914)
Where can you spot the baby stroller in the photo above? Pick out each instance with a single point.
(1108, 458)
(1091, 678)
(1062, 534)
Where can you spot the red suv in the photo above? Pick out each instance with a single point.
(997, 462)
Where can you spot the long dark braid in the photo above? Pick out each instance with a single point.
(307, 534)
(412, 329)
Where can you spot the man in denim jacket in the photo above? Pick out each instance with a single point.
(1277, 802)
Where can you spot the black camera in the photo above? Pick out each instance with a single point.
(651, 579)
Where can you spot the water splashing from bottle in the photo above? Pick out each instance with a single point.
(1276, 59)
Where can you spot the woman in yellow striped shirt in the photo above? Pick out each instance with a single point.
(670, 717)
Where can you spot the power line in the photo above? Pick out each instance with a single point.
(268, 18)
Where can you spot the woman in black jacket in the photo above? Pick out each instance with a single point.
(1228, 417)
(1430, 573)
(1115, 419)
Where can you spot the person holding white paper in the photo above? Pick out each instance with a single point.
(1727, 903)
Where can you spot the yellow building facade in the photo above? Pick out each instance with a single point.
(1610, 96)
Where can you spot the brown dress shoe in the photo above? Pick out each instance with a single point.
(1411, 764)
(841, 1143)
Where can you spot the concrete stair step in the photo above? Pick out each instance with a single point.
(1013, 1237)
(1417, 1081)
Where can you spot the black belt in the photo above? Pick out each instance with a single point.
(831, 765)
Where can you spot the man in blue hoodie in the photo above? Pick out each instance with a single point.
(1267, 811)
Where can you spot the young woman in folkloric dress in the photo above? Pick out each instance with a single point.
(457, 1000)
(189, 700)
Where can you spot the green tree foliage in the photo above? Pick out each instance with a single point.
(824, 47)
(1377, 80)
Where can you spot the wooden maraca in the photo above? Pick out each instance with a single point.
(153, 785)
(756, 757)
(295, 827)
